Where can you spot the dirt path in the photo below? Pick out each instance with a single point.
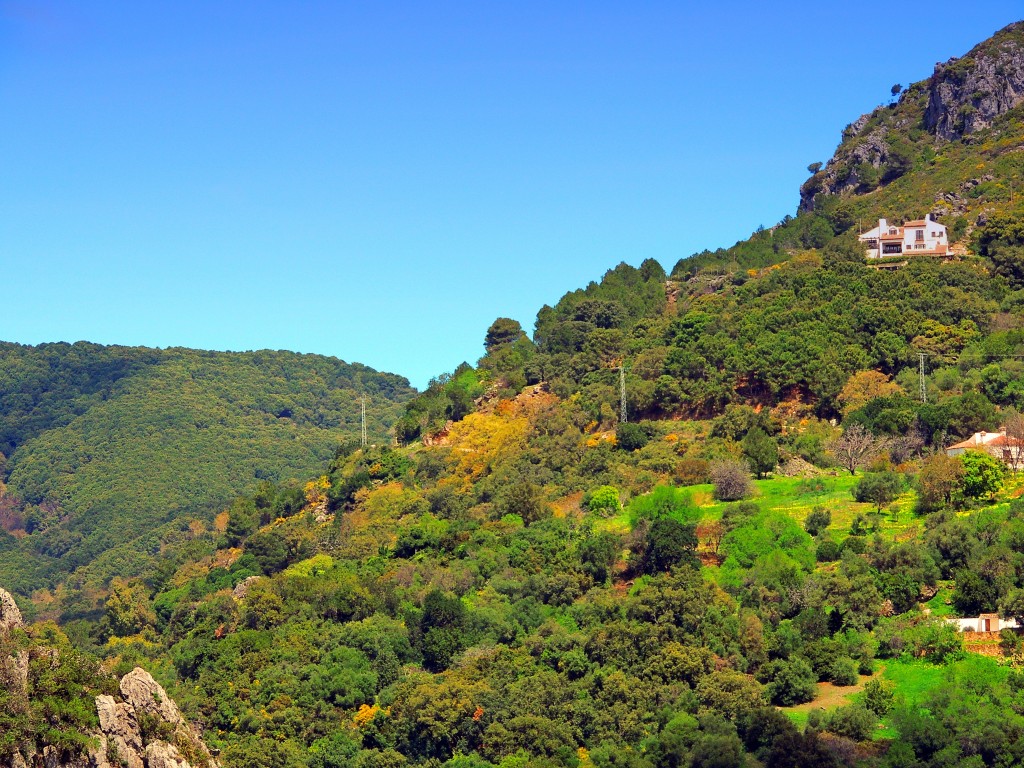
(830, 696)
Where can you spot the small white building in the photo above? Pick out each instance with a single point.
(998, 445)
(987, 622)
(921, 237)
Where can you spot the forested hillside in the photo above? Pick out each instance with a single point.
(757, 566)
(105, 444)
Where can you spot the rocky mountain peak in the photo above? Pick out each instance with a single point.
(963, 96)
(967, 94)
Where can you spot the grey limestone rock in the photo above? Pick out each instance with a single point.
(147, 695)
(160, 754)
(10, 616)
(120, 726)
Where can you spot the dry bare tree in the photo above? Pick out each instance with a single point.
(1014, 426)
(856, 447)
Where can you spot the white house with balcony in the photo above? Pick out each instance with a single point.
(921, 237)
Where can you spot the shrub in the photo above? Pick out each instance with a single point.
(828, 551)
(879, 696)
(691, 472)
(789, 682)
(631, 437)
(854, 721)
(856, 544)
(843, 671)
(731, 480)
(737, 515)
(603, 500)
(819, 519)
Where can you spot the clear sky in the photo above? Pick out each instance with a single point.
(379, 180)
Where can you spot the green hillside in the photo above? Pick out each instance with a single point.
(752, 568)
(105, 444)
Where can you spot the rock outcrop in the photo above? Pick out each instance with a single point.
(14, 667)
(145, 730)
(968, 94)
(120, 726)
(963, 96)
(10, 616)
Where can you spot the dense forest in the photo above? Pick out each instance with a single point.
(99, 446)
(701, 517)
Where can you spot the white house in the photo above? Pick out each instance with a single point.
(1009, 450)
(986, 622)
(921, 237)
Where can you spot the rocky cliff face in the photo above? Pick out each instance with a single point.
(966, 95)
(141, 728)
(963, 96)
(10, 616)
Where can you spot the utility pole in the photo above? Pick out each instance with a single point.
(920, 369)
(362, 419)
(622, 393)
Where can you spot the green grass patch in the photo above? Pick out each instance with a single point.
(939, 605)
(915, 680)
(796, 497)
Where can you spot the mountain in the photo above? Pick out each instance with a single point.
(104, 445)
(698, 518)
(953, 139)
(949, 145)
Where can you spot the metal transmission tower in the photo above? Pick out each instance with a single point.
(363, 419)
(622, 393)
(920, 369)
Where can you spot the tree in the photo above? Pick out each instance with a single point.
(761, 451)
(864, 386)
(855, 447)
(503, 331)
(731, 480)
(879, 488)
(814, 168)
(896, 90)
(1013, 423)
(983, 474)
(670, 543)
(442, 628)
(270, 550)
(1012, 605)
(524, 499)
(973, 594)
(631, 437)
(937, 482)
(789, 681)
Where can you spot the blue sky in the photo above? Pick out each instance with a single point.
(378, 181)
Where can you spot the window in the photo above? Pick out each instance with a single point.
(919, 235)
